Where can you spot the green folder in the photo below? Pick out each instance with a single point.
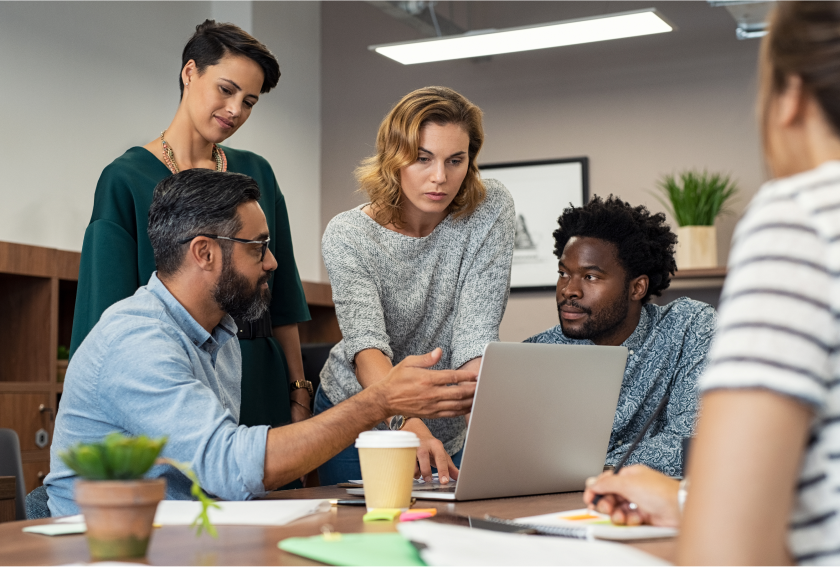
(355, 549)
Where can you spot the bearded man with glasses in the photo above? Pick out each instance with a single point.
(162, 362)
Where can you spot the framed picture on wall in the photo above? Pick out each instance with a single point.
(540, 190)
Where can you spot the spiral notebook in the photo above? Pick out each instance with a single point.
(585, 524)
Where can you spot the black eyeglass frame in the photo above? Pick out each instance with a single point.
(232, 239)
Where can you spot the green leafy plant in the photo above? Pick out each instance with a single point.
(118, 457)
(63, 353)
(696, 198)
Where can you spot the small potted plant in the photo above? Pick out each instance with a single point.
(695, 200)
(118, 503)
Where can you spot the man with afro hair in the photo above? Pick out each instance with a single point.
(613, 258)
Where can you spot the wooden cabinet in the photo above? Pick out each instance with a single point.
(37, 299)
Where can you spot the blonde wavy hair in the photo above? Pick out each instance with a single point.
(397, 146)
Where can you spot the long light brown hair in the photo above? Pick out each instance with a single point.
(804, 41)
(398, 143)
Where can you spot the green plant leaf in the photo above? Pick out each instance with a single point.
(202, 521)
(117, 457)
(696, 198)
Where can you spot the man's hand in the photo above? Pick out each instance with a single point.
(410, 389)
(430, 454)
(653, 495)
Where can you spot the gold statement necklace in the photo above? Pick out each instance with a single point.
(169, 156)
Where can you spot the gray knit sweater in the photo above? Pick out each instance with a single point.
(406, 296)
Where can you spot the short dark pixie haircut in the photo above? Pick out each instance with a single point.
(192, 202)
(644, 242)
(212, 41)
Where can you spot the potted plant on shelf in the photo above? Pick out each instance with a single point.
(695, 200)
(117, 502)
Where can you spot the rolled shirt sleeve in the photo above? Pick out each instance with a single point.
(166, 399)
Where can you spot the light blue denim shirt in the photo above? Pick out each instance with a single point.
(148, 368)
(666, 354)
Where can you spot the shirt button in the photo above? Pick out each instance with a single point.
(631, 352)
(619, 442)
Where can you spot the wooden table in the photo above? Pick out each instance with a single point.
(257, 545)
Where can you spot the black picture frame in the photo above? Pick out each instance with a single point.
(537, 210)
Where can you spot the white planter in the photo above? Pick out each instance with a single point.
(696, 247)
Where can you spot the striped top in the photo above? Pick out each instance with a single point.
(779, 329)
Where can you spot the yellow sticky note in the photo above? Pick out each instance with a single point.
(386, 514)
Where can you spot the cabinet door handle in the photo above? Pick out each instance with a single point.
(42, 409)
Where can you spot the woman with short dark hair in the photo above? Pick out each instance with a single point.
(224, 71)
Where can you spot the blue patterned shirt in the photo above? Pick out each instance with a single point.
(667, 353)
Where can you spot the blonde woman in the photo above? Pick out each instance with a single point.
(425, 265)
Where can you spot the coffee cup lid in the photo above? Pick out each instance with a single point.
(387, 440)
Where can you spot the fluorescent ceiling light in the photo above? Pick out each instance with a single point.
(512, 40)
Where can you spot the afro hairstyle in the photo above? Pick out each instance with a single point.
(644, 242)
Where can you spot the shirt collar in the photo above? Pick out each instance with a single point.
(637, 338)
(224, 331)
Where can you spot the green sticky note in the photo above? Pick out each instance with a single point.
(387, 514)
(56, 529)
(355, 549)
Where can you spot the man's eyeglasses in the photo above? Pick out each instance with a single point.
(263, 243)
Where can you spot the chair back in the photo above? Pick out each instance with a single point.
(11, 465)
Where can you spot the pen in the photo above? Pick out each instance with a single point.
(636, 441)
(354, 502)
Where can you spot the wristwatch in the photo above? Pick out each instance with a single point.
(306, 384)
(397, 423)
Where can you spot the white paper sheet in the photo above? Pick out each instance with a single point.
(456, 545)
(250, 513)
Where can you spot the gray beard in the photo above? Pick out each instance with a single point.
(235, 295)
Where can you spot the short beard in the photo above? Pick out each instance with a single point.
(237, 297)
(602, 324)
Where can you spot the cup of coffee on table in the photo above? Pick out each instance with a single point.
(387, 459)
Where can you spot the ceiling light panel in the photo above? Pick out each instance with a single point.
(557, 34)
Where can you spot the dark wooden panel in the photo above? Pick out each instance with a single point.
(323, 328)
(26, 334)
(7, 498)
(318, 294)
(19, 411)
(66, 307)
(34, 473)
(26, 260)
(67, 264)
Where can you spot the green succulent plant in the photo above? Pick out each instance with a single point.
(118, 457)
(696, 198)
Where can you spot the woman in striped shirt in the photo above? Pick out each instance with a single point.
(765, 465)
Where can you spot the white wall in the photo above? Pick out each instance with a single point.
(84, 81)
(637, 107)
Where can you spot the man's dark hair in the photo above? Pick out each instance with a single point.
(192, 202)
(644, 242)
(212, 41)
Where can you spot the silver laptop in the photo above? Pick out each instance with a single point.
(541, 421)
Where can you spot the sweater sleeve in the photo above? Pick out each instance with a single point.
(358, 305)
(484, 294)
(288, 304)
(108, 271)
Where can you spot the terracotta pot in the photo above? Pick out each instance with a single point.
(119, 515)
(696, 247)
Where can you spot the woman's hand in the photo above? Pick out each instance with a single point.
(300, 404)
(636, 495)
(430, 453)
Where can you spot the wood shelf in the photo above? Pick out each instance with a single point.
(718, 272)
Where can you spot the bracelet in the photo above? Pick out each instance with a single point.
(303, 406)
(682, 494)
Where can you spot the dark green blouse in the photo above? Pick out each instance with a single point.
(117, 258)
